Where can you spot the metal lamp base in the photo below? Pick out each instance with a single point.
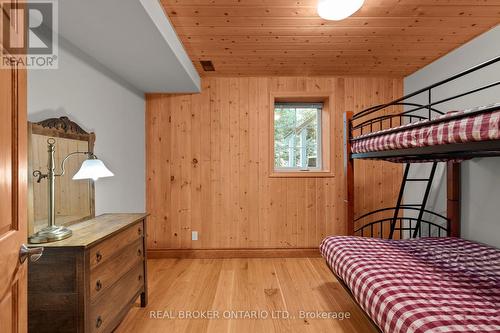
(50, 234)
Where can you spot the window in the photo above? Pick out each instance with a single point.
(300, 134)
(297, 136)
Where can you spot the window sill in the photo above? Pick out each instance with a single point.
(301, 174)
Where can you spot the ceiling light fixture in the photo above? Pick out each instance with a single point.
(337, 10)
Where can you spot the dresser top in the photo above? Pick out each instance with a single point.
(88, 232)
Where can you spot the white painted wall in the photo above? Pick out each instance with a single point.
(480, 177)
(137, 41)
(101, 102)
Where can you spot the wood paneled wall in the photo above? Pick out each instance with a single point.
(207, 167)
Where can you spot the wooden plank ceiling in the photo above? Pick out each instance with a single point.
(287, 37)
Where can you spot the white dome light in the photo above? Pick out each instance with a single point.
(337, 10)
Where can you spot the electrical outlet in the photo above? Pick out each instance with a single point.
(194, 235)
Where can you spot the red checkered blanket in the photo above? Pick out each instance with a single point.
(420, 285)
(476, 127)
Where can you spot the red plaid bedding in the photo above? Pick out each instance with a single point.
(420, 285)
(476, 127)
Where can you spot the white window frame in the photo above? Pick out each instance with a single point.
(328, 141)
(319, 139)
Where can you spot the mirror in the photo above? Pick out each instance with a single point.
(74, 198)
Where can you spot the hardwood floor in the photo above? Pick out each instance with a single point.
(235, 287)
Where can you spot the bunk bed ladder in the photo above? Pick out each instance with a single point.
(421, 206)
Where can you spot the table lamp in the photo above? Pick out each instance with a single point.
(91, 168)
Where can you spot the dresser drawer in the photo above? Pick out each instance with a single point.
(105, 250)
(63, 290)
(103, 276)
(104, 312)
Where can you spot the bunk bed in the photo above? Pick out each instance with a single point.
(414, 273)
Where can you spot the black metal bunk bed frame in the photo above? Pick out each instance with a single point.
(368, 121)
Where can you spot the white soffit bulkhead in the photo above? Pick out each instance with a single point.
(132, 38)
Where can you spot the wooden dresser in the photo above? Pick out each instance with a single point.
(88, 282)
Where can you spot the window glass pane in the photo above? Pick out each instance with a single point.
(281, 158)
(297, 136)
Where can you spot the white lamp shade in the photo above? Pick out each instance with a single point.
(337, 10)
(92, 169)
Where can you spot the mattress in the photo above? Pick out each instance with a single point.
(420, 285)
(446, 130)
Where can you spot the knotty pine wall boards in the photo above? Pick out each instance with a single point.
(207, 167)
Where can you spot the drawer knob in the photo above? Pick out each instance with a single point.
(139, 277)
(139, 231)
(98, 285)
(98, 256)
(139, 252)
(98, 322)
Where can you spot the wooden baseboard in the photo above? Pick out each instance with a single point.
(232, 253)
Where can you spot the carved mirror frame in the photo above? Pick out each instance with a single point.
(61, 127)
